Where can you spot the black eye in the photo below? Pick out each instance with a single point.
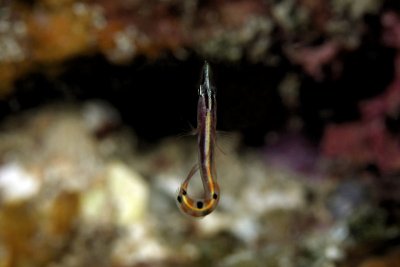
(179, 198)
(215, 196)
(199, 204)
(184, 192)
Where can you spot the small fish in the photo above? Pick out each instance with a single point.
(206, 130)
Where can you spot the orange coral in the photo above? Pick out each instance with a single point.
(59, 34)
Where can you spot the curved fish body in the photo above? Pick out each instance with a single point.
(206, 130)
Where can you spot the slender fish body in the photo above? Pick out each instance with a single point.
(206, 128)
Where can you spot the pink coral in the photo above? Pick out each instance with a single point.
(391, 34)
(347, 141)
(362, 143)
(369, 140)
(312, 59)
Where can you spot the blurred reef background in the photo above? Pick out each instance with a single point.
(97, 98)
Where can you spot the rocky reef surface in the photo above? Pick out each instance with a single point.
(71, 196)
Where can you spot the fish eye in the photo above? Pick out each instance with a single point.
(215, 196)
(199, 204)
(184, 192)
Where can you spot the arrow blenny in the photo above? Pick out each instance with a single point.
(206, 131)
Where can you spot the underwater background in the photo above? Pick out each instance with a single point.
(98, 108)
